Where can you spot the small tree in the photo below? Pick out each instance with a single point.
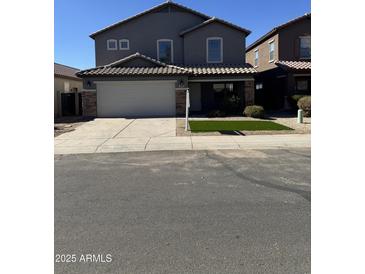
(304, 104)
(254, 111)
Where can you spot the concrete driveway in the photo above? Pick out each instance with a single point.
(121, 132)
(123, 128)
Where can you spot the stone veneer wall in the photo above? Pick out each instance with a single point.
(89, 103)
(249, 93)
(180, 102)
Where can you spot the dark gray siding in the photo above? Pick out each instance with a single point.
(289, 39)
(143, 34)
(233, 44)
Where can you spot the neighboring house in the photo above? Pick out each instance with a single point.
(146, 63)
(67, 91)
(283, 59)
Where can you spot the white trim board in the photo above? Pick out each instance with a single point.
(150, 81)
(121, 41)
(112, 40)
(222, 80)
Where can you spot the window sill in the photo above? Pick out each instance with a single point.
(271, 61)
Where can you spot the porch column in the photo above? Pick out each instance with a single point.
(89, 103)
(180, 102)
(249, 92)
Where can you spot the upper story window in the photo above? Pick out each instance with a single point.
(256, 61)
(165, 51)
(305, 47)
(112, 44)
(271, 51)
(214, 50)
(124, 44)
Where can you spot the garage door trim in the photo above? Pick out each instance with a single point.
(136, 99)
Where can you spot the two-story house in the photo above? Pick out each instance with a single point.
(146, 63)
(282, 58)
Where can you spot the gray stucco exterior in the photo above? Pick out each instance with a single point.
(144, 32)
(189, 31)
(195, 47)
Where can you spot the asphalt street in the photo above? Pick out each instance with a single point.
(229, 211)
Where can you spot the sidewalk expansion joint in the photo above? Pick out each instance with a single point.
(145, 146)
(123, 129)
(99, 146)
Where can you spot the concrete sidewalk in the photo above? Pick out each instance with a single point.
(111, 144)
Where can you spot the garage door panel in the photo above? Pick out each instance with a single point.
(136, 99)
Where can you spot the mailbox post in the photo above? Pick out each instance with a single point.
(187, 106)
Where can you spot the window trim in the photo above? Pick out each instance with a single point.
(172, 49)
(121, 41)
(300, 37)
(254, 58)
(207, 50)
(271, 42)
(110, 40)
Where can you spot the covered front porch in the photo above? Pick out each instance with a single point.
(220, 96)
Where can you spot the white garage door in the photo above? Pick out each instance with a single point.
(136, 99)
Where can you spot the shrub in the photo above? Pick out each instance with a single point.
(254, 111)
(216, 113)
(293, 100)
(304, 104)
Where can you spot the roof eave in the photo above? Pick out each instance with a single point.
(146, 12)
(274, 30)
(67, 76)
(212, 20)
(261, 39)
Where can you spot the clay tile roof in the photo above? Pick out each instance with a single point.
(160, 68)
(65, 71)
(132, 71)
(214, 19)
(136, 55)
(294, 65)
(200, 70)
(275, 29)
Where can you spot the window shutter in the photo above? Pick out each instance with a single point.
(297, 48)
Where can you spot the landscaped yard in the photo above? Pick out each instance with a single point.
(207, 126)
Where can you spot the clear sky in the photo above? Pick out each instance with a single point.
(75, 20)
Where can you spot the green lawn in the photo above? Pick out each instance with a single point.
(204, 126)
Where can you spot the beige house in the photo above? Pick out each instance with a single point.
(67, 88)
(282, 58)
